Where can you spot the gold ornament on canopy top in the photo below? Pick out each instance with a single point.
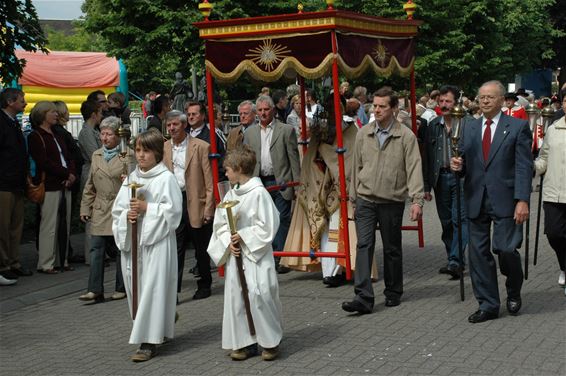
(409, 7)
(205, 8)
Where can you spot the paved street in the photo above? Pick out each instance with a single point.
(46, 330)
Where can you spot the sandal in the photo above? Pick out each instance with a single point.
(48, 271)
(144, 353)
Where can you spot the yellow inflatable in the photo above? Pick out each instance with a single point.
(73, 97)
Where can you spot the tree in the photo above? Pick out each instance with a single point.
(19, 27)
(463, 42)
(79, 40)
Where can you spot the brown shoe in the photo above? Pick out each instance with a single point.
(270, 354)
(144, 353)
(244, 353)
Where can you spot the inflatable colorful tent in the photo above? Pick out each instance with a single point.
(70, 77)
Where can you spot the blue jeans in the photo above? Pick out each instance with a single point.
(99, 244)
(446, 191)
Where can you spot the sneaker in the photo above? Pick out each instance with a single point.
(118, 295)
(562, 278)
(270, 354)
(244, 353)
(7, 282)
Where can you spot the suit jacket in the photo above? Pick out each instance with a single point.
(507, 175)
(236, 137)
(198, 179)
(284, 153)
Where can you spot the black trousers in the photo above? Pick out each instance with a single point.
(555, 229)
(200, 237)
(390, 217)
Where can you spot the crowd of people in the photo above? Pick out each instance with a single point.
(387, 168)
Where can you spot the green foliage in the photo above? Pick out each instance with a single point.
(462, 42)
(19, 26)
(79, 40)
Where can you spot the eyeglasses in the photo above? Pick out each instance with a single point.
(489, 98)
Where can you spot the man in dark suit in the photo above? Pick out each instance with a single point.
(275, 146)
(497, 164)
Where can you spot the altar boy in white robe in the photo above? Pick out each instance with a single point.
(257, 221)
(157, 213)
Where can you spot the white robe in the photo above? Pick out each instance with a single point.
(157, 251)
(257, 221)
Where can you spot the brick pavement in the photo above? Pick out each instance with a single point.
(45, 330)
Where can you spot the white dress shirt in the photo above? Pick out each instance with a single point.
(266, 165)
(178, 157)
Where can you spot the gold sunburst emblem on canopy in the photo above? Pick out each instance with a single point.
(268, 54)
(380, 53)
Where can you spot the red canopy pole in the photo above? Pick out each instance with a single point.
(213, 148)
(414, 125)
(303, 141)
(340, 151)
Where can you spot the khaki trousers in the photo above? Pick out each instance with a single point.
(48, 244)
(11, 226)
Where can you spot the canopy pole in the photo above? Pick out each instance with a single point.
(213, 148)
(415, 131)
(303, 115)
(340, 151)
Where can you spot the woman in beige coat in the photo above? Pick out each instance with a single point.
(101, 187)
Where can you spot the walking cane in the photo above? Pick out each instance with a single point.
(533, 112)
(458, 114)
(547, 114)
(134, 187)
(228, 205)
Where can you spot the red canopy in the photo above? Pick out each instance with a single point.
(272, 46)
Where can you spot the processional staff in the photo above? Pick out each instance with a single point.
(124, 134)
(533, 113)
(458, 112)
(228, 205)
(547, 114)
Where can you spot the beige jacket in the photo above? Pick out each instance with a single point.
(198, 179)
(391, 173)
(101, 187)
(552, 162)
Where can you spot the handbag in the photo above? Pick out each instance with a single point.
(36, 193)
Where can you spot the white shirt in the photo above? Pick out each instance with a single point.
(179, 154)
(493, 125)
(196, 132)
(265, 161)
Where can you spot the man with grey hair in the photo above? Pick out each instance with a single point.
(275, 146)
(497, 165)
(187, 158)
(247, 113)
(360, 93)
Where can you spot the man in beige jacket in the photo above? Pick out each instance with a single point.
(187, 158)
(386, 169)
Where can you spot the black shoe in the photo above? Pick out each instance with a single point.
(392, 302)
(334, 281)
(443, 270)
(9, 274)
(22, 272)
(355, 306)
(481, 316)
(513, 306)
(454, 271)
(282, 269)
(201, 293)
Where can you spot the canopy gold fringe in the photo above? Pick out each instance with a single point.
(368, 62)
(260, 74)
